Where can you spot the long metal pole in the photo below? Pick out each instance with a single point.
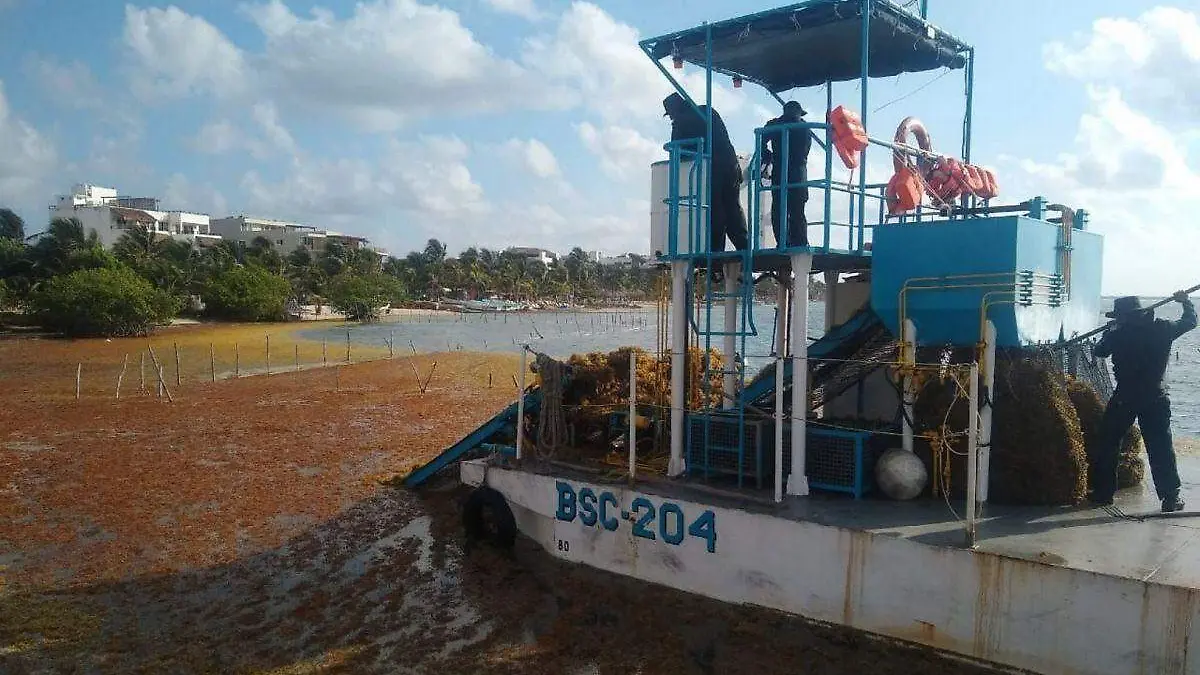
(520, 404)
(678, 311)
(801, 266)
(632, 414)
(730, 338)
(972, 447)
(862, 169)
(985, 417)
(779, 428)
(908, 357)
(828, 164)
(966, 149)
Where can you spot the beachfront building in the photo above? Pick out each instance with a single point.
(110, 215)
(541, 255)
(284, 236)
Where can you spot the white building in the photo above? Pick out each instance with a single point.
(283, 235)
(616, 260)
(110, 216)
(541, 255)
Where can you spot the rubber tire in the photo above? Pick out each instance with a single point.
(503, 533)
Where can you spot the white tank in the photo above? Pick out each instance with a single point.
(901, 474)
(659, 212)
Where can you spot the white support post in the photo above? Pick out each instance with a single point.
(801, 266)
(908, 356)
(781, 315)
(632, 414)
(521, 404)
(779, 429)
(679, 311)
(831, 293)
(729, 381)
(972, 448)
(985, 415)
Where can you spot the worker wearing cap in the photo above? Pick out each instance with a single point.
(727, 215)
(799, 144)
(1140, 347)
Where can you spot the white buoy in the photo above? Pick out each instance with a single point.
(901, 474)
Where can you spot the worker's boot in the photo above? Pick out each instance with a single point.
(1172, 504)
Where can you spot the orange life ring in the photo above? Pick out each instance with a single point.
(914, 126)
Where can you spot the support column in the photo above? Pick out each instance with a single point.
(782, 307)
(985, 417)
(729, 381)
(801, 266)
(679, 310)
(831, 293)
(908, 356)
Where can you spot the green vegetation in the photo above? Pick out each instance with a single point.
(249, 293)
(101, 301)
(257, 282)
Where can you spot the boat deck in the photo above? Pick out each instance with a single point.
(1161, 548)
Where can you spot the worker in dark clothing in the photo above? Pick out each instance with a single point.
(727, 215)
(1140, 347)
(799, 144)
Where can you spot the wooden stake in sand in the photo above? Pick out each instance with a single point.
(158, 368)
(160, 382)
(425, 386)
(78, 379)
(416, 375)
(121, 376)
(324, 352)
(237, 361)
(413, 347)
(268, 355)
(297, 357)
(212, 361)
(391, 341)
(347, 345)
(337, 373)
(178, 377)
(142, 374)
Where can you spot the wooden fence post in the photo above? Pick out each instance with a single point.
(121, 376)
(324, 352)
(212, 361)
(159, 369)
(347, 345)
(178, 377)
(268, 355)
(142, 374)
(237, 361)
(78, 379)
(297, 357)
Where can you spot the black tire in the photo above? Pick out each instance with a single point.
(488, 519)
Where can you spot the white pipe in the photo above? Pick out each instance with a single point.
(781, 318)
(730, 342)
(779, 429)
(972, 448)
(521, 405)
(985, 419)
(632, 413)
(831, 293)
(801, 266)
(678, 352)
(908, 356)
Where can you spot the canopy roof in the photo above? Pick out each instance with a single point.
(806, 44)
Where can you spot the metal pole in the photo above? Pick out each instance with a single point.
(730, 337)
(679, 309)
(972, 447)
(985, 418)
(908, 357)
(828, 163)
(520, 405)
(924, 9)
(801, 266)
(779, 429)
(632, 414)
(862, 168)
(966, 152)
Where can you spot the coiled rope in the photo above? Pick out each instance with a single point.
(552, 421)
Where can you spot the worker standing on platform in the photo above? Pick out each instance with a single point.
(727, 215)
(799, 144)
(1140, 347)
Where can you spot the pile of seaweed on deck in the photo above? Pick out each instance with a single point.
(1044, 424)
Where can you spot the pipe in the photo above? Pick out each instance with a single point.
(908, 344)
(801, 266)
(779, 429)
(729, 342)
(678, 357)
(972, 459)
(985, 418)
(521, 404)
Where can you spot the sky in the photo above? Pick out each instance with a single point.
(533, 122)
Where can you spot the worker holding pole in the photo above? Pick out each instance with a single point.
(1140, 347)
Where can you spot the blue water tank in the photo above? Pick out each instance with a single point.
(945, 270)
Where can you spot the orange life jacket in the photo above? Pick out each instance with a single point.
(849, 135)
(947, 179)
(904, 191)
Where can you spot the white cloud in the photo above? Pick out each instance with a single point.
(216, 138)
(26, 158)
(387, 63)
(266, 135)
(538, 159)
(523, 8)
(178, 54)
(1154, 59)
(183, 194)
(276, 134)
(69, 84)
(624, 153)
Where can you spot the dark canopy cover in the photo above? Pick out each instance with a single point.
(809, 43)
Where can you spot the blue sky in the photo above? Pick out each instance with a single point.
(532, 122)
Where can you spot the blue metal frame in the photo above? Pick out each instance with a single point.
(700, 186)
(860, 485)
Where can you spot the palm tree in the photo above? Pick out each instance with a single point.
(11, 225)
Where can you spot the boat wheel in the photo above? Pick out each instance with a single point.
(488, 519)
